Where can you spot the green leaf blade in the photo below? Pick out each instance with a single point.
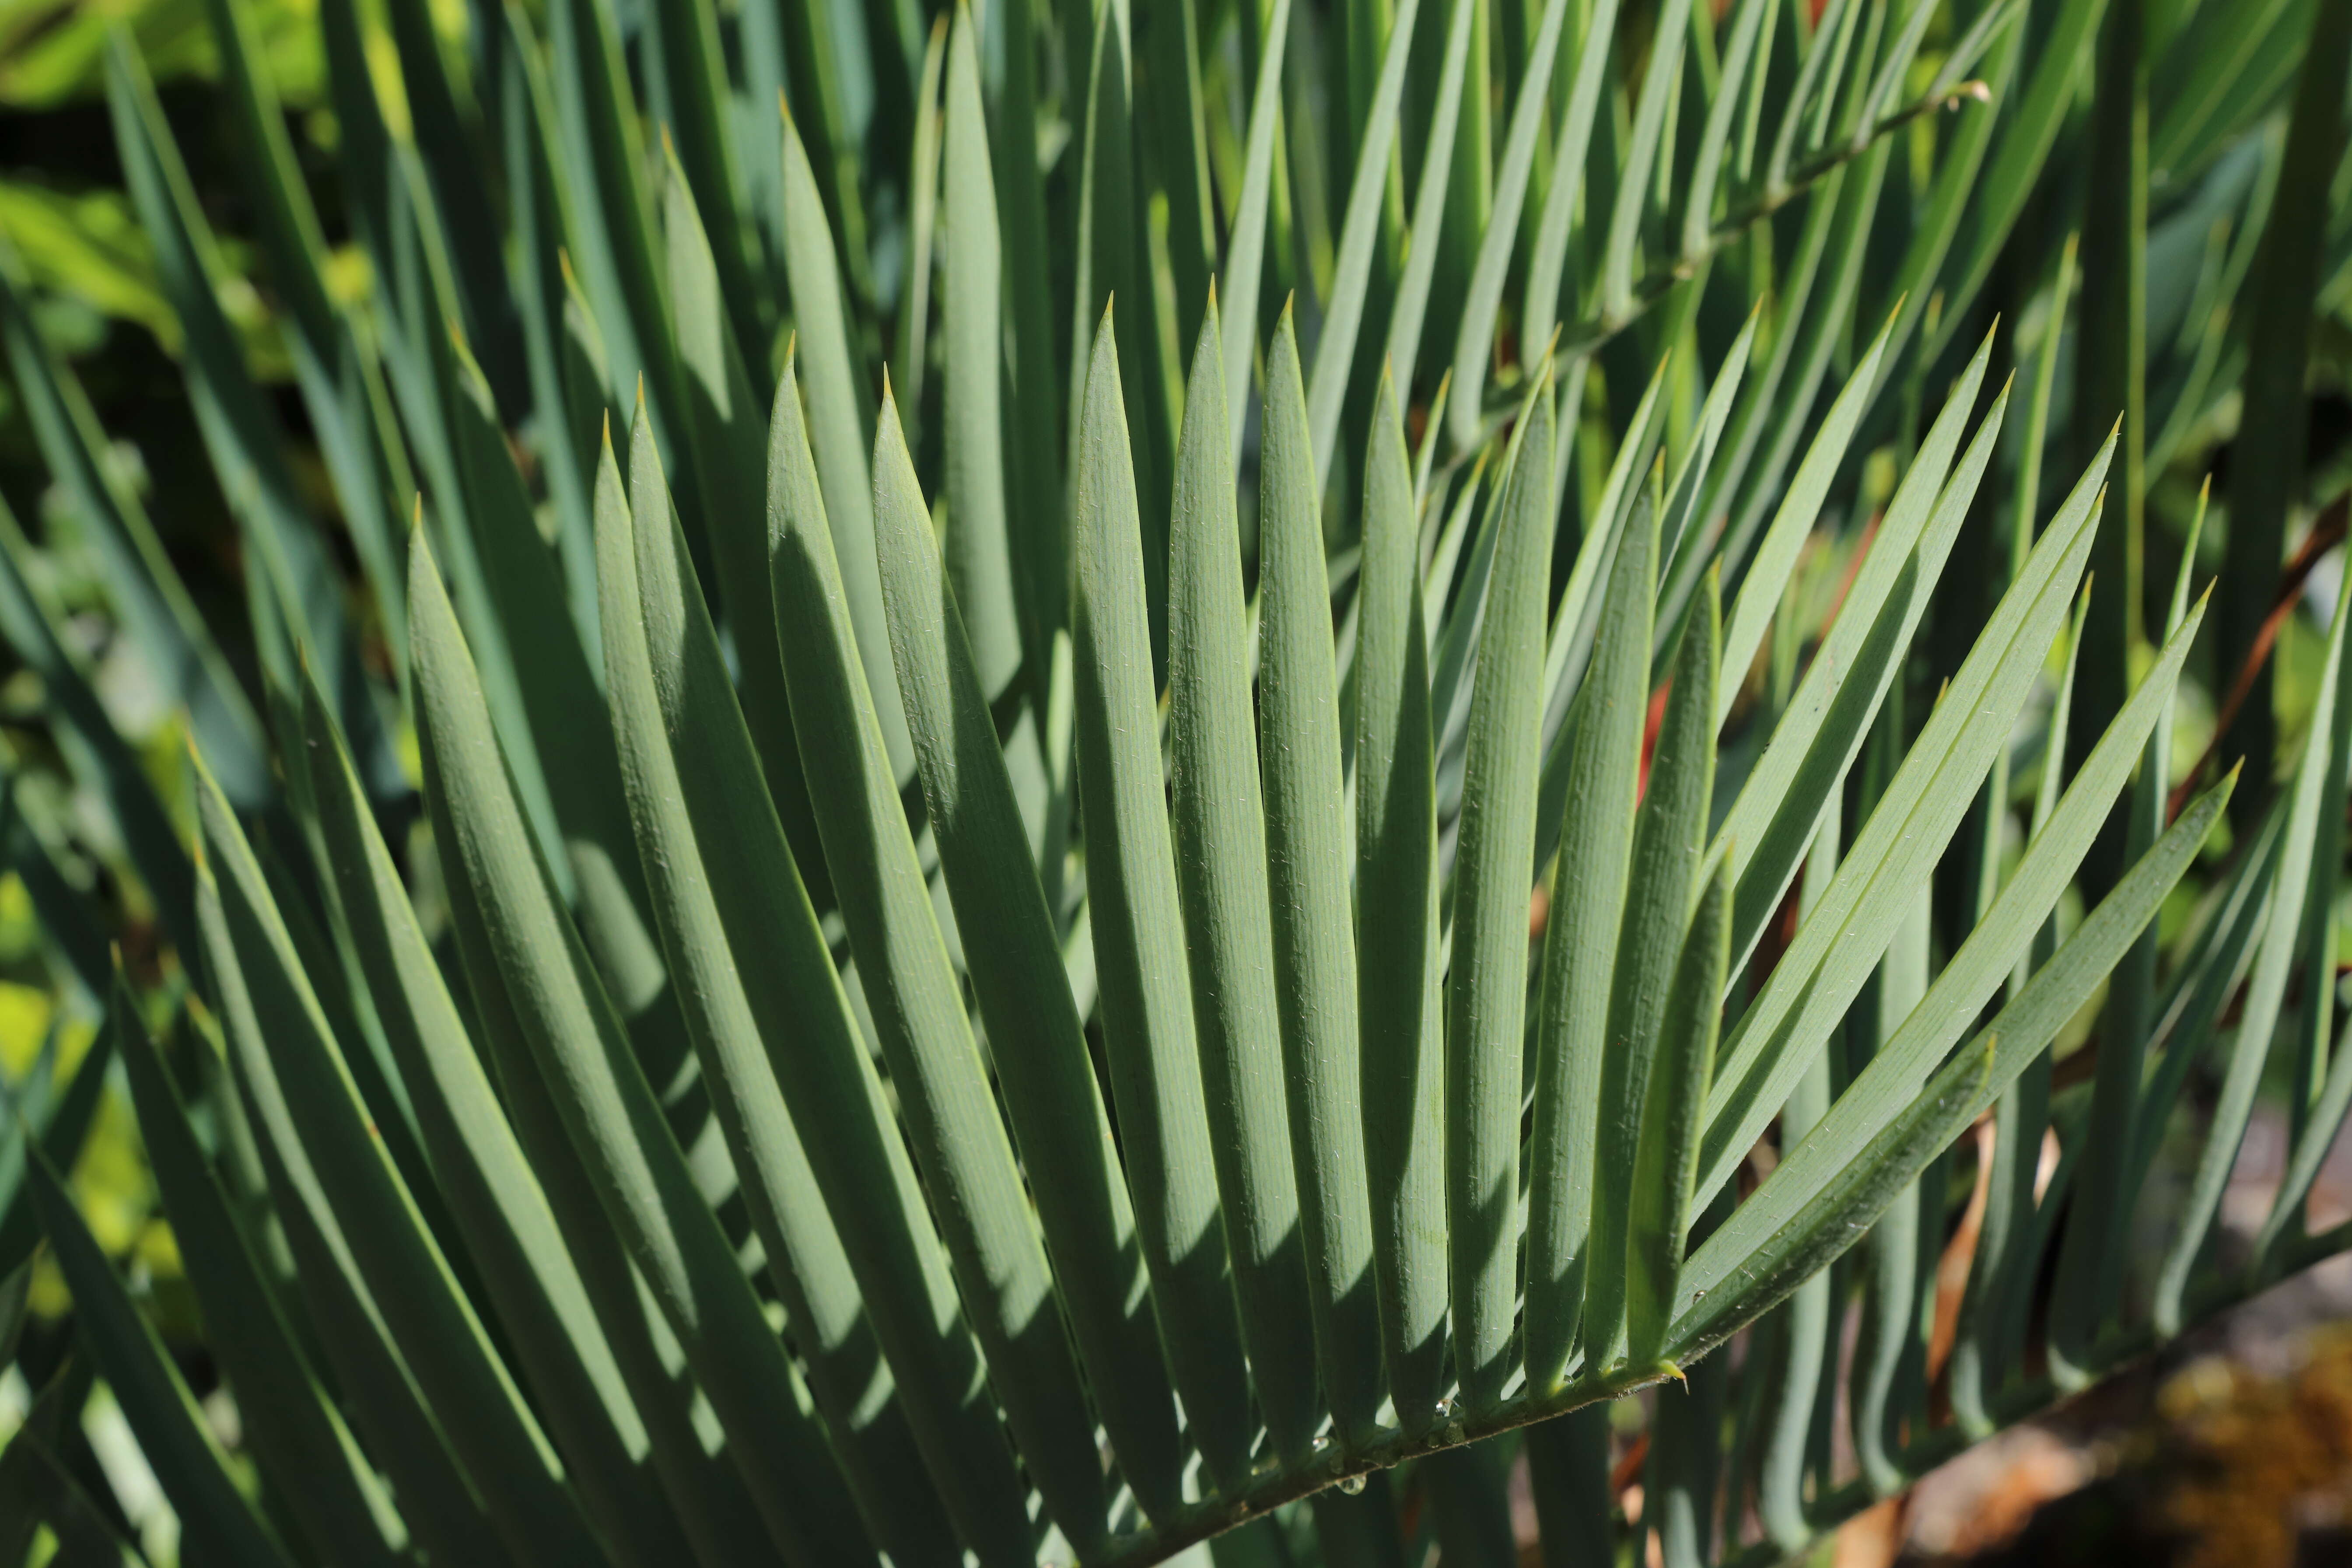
(1218, 822)
(1398, 980)
(1581, 935)
(1316, 982)
(1035, 1036)
(978, 546)
(599, 1091)
(505, 1454)
(304, 1448)
(1494, 870)
(1669, 836)
(1139, 938)
(162, 1413)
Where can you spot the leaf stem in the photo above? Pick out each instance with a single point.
(1274, 1487)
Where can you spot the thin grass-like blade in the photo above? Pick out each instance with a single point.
(1821, 731)
(1221, 842)
(1486, 1004)
(364, 145)
(1631, 485)
(1834, 1183)
(172, 1431)
(1733, 91)
(653, 628)
(1138, 940)
(686, 80)
(1957, 190)
(271, 1009)
(578, 1332)
(2023, 1119)
(2293, 897)
(1454, 659)
(1035, 500)
(1474, 342)
(1814, 330)
(1343, 307)
(555, 687)
(304, 1448)
(1661, 80)
(1911, 1052)
(978, 546)
(2090, 1258)
(836, 431)
(1547, 256)
(1246, 247)
(1767, 576)
(1117, 257)
(1880, 1378)
(40, 1114)
(2266, 488)
(1825, 966)
(1669, 836)
(1409, 314)
(910, 363)
(599, 1093)
(1807, 1326)
(73, 928)
(2321, 1100)
(1601, 785)
(240, 432)
(613, 243)
(2027, 137)
(912, 995)
(441, 1509)
(440, 129)
(1667, 1155)
(83, 1531)
(1399, 1003)
(329, 363)
(728, 445)
(563, 406)
(56, 1409)
(1684, 538)
(1034, 1034)
(52, 1122)
(1307, 848)
(2203, 986)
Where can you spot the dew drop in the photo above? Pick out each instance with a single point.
(1352, 1485)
